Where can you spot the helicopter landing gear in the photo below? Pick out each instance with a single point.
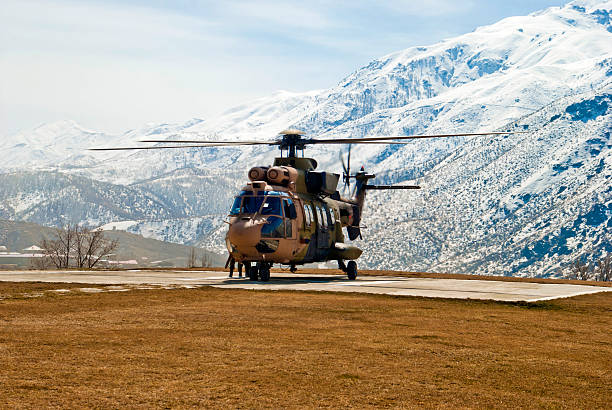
(293, 269)
(264, 272)
(261, 271)
(351, 270)
(250, 271)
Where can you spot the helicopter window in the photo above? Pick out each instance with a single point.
(251, 204)
(275, 193)
(236, 207)
(307, 215)
(326, 213)
(288, 229)
(274, 228)
(289, 209)
(272, 206)
(322, 219)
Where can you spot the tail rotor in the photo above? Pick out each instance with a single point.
(346, 176)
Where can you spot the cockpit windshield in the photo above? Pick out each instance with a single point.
(266, 202)
(251, 204)
(272, 206)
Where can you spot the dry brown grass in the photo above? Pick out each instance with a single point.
(28, 289)
(210, 347)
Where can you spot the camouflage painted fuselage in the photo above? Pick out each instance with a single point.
(290, 214)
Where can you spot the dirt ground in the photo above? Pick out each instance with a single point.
(210, 347)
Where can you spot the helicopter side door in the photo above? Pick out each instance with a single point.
(290, 219)
(310, 232)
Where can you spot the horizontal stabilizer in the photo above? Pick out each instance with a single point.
(345, 251)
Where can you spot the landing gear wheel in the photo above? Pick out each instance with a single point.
(261, 270)
(351, 270)
(252, 272)
(264, 274)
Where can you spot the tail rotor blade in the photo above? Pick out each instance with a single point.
(348, 172)
(346, 167)
(342, 161)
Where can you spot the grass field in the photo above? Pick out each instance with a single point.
(210, 347)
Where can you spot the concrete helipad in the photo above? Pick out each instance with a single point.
(438, 288)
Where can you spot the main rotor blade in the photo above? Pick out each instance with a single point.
(354, 141)
(217, 143)
(156, 147)
(385, 140)
(301, 142)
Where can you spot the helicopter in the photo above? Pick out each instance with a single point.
(289, 213)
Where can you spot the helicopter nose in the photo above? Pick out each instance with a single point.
(245, 233)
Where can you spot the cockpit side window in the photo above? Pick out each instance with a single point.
(236, 206)
(274, 228)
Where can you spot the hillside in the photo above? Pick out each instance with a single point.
(17, 236)
(514, 205)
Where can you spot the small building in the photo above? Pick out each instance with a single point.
(34, 249)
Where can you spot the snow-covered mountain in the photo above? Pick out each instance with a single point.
(488, 205)
(526, 204)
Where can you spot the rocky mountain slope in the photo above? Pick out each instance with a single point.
(526, 204)
(513, 205)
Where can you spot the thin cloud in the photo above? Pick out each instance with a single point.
(115, 64)
(296, 15)
(427, 8)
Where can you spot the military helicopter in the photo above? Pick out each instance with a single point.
(289, 213)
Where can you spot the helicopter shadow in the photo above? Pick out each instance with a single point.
(283, 280)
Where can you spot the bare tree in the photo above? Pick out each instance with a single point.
(603, 270)
(57, 251)
(205, 260)
(41, 263)
(79, 244)
(66, 239)
(580, 270)
(191, 262)
(90, 246)
(97, 247)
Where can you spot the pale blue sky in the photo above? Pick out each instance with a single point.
(115, 65)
